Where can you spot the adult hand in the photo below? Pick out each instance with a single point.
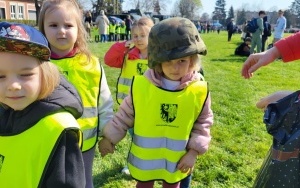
(255, 61)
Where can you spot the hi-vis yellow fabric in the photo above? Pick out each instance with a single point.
(23, 157)
(163, 123)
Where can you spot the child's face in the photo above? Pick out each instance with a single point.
(61, 30)
(177, 68)
(140, 36)
(20, 80)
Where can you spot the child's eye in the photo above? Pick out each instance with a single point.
(27, 74)
(53, 25)
(70, 25)
(2, 76)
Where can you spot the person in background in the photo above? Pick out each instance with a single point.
(173, 51)
(256, 40)
(245, 33)
(102, 23)
(244, 48)
(230, 29)
(280, 26)
(88, 24)
(130, 56)
(266, 33)
(122, 31)
(287, 48)
(38, 108)
(71, 54)
(112, 30)
(128, 24)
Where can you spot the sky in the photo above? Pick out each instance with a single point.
(251, 5)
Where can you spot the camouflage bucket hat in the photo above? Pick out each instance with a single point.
(173, 38)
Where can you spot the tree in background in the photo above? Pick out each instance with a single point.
(241, 17)
(187, 8)
(295, 9)
(230, 14)
(37, 4)
(156, 7)
(109, 6)
(204, 17)
(149, 5)
(219, 12)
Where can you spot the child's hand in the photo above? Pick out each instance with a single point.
(129, 44)
(186, 163)
(105, 147)
(264, 102)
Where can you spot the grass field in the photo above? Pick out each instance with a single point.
(239, 138)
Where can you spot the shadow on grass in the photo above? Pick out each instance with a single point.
(110, 176)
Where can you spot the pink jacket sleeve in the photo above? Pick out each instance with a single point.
(116, 129)
(289, 47)
(200, 136)
(115, 55)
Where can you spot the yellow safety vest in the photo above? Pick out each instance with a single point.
(123, 29)
(86, 79)
(118, 30)
(162, 126)
(24, 157)
(112, 28)
(130, 68)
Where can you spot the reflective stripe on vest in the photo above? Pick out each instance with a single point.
(162, 130)
(130, 68)
(86, 78)
(25, 166)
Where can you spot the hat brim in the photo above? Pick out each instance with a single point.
(14, 45)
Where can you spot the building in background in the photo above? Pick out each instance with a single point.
(17, 10)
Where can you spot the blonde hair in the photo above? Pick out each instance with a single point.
(50, 78)
(73, 7)
(195, 64)
(142, 22)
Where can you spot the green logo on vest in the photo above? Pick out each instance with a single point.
(1, 161)
(168, 112)
(141, 68)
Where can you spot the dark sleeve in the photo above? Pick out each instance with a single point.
(66, 167)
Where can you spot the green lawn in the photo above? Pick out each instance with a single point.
(239, 138)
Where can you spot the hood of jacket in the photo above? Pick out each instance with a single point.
(64, 98)
(156, 78)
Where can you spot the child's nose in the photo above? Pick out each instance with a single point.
(14, 85)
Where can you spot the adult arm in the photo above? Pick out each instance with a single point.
(287, 48)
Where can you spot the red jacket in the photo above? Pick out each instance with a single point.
(289, 47)
(114, 57)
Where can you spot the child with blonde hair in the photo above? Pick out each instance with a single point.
(61, 22)
(169, 108)
(130, 56)
(37, 115)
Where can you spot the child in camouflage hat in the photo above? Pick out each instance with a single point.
(174, 128)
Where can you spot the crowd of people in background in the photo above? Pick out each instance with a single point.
(259, 38)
